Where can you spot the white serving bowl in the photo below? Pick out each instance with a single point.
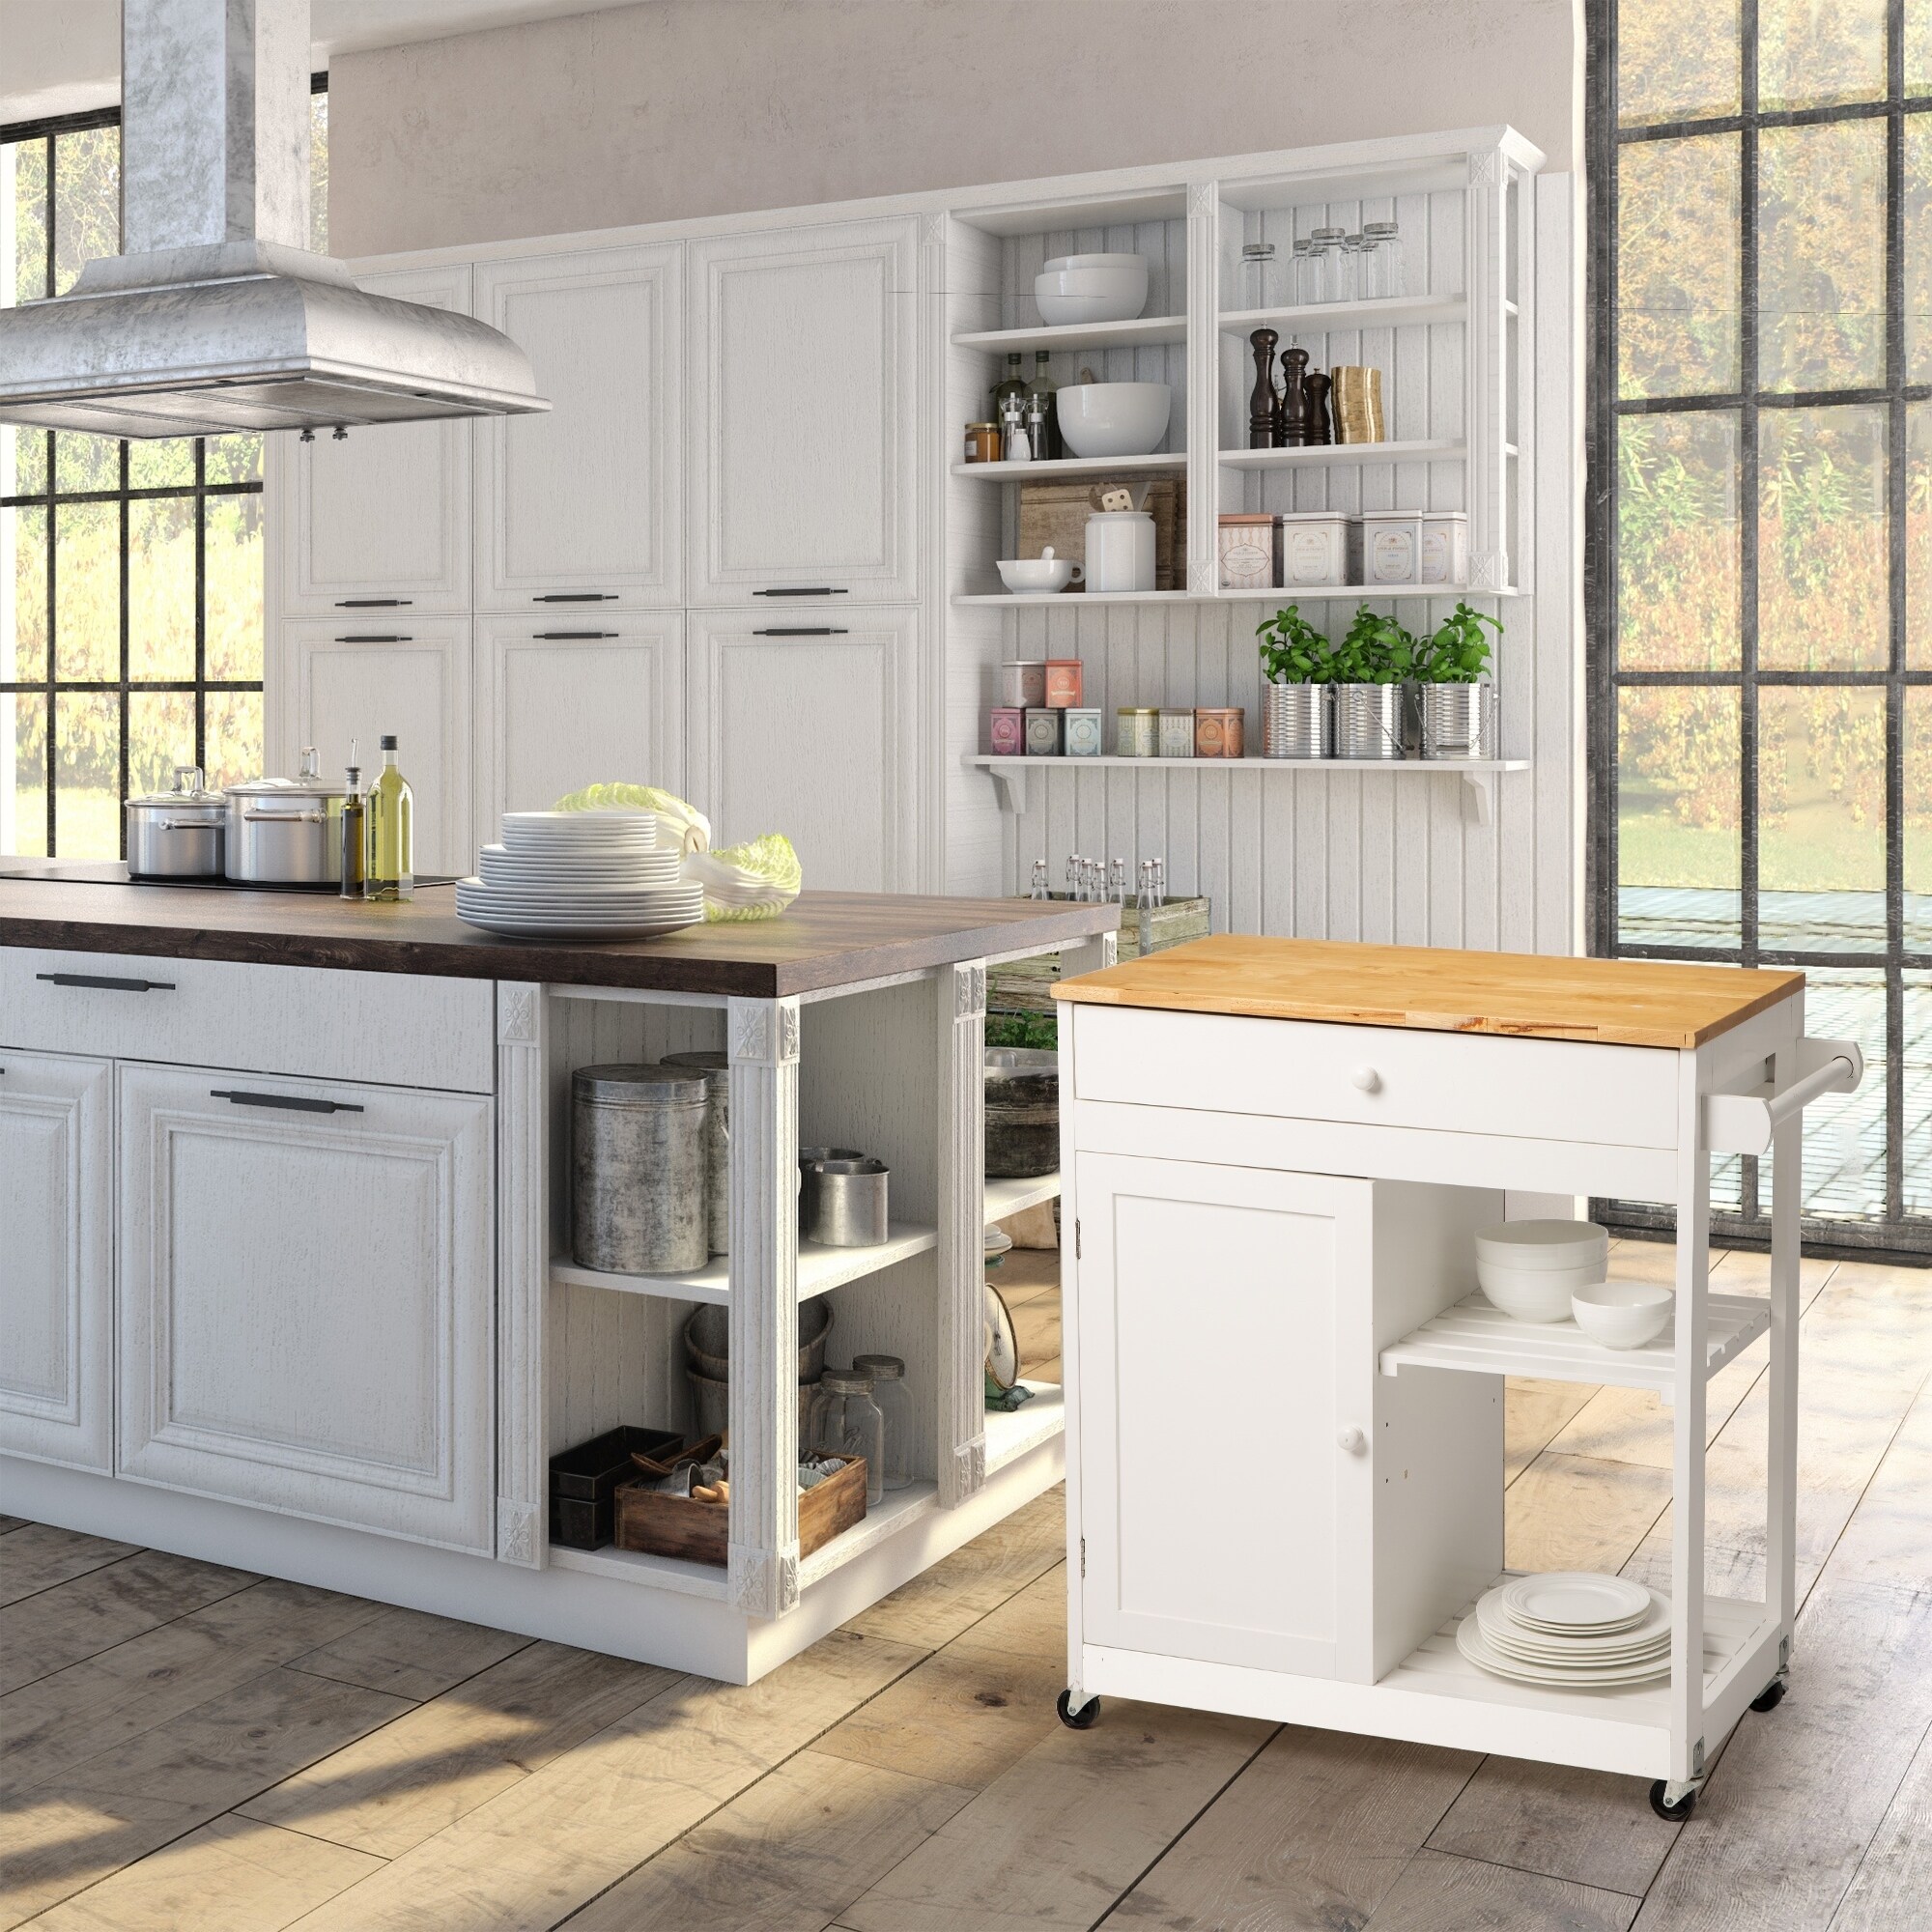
(1114, 418)
(1623, 1314)
(1039, 576)
(1092, 288)
(1536, 1295)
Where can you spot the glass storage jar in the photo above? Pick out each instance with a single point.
(1325, 264)
(1257, 285)
(1382, 261)
(894, 1401)
(846, 1421)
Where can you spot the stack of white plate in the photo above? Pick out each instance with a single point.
(1571, 1629)
(580, 876)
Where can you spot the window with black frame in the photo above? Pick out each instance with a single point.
(1760, 544)
(130, 572)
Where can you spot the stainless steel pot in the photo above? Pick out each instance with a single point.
(180, 834)
(286, 832)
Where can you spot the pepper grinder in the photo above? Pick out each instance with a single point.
(1263, 405)
(1319, 429)
(1294, 400)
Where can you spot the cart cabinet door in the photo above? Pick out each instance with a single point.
(305, 1298)
(1222, 1517)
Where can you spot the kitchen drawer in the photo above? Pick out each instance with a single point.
(1380, 1076)
(393, 1028)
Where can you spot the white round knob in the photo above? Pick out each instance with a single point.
(1367, 1079)
(1353, 1440)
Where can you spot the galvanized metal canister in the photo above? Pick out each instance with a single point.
(1368, 720)
(637, 1173)
(1298, 721)
(1459, 720)
(716, 1066)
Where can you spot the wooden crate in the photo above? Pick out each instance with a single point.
(1026, 985)
(657, 1524)
(1057, 512)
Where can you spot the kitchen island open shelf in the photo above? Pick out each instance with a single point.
(1011, 1197)
(820, 1269)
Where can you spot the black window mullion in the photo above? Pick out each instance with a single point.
(200, 602)
(1895, 706)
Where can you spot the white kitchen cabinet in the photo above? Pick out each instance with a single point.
(56, 1259)
(381, 519)
(806, 726)
(803, 403)
(305, 1298)
(398, 675)
(565, 705)
(581, 508)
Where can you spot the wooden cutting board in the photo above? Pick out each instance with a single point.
(1620, 1002)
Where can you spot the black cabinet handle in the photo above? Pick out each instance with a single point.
(546, 637)
(576, 597)
(294, 1103)
(805, 591)
(376, 637)
(802, 631)
(106, 985)
(373, 603)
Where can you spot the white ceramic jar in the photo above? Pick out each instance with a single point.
(1119, 551)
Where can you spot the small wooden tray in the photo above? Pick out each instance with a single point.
(657, 1524)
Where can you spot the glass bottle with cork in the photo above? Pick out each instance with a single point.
(1044, 391)
(1013, 384)
(389, 867)
(354, 832)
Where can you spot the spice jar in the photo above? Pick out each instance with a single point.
(1136, 732)
(1218, 732)
(983, 443)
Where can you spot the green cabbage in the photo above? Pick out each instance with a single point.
(679, 825)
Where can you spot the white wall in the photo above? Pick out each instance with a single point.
(694, 108)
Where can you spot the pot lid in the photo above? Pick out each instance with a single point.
(650, 1085)
(188, 791)
(307, 784)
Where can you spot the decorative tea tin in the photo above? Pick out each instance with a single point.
(1006, 731)
(1318, 547)
(1043, 733)
(1391, 547)
(1083, 732)
(1249, 559)
(1177, 734)
(1023, 683)
(1445, 546)
(1063, 682)
(1136, 732)
(1218, 732)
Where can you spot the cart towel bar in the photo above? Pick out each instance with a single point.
(1744, 1123)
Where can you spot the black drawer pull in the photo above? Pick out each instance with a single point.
(805, 591)
(546, 637)
(376, 637)
(294, 1103)
(802, 631)
(372, 603)
(96, 981)
(576, 597)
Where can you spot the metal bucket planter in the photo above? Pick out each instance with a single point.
(1370, 721)
(1459, 720)
(1298, 721)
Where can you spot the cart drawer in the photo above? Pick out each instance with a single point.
(1381, 1076)
(398, 1029)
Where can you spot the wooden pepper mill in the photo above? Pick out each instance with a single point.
(1293, 432)
(1264, 404)
(1320, 428)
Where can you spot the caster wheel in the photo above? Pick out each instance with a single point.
(1672, 1815)
(1080, 1719)
(1770, 1696)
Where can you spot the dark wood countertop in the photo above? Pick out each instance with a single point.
(823, 939)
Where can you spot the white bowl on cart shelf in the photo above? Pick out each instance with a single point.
(1530, 1268)
(1623, 1314)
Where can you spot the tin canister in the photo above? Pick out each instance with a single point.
(1218, 732)
(1136, 732)
(1249, 554)
(1043, 733)
(1006, 731)
(1445, 546)
(1392, 547)
(1023, 683)
(1082, 732)
(639, 1204)
(716, 1066)
(1063, 682)
(1177, 734)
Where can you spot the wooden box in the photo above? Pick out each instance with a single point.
(1026, 985)
(657, 1524)
(1057, 512)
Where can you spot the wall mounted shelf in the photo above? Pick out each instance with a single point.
(1147, 331)
(1070, 466)
(1326, 455)
(1323, 317)
(1281, 593)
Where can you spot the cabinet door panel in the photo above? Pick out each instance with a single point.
(810, 736)
(1222, 1519)
(412, 681)
(384, 513)
(305, 1300)
(555, 715)
(801, 450)
(586, 498)
(56, 1260)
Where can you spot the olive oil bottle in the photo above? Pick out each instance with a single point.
(354, 832)
(390, 873)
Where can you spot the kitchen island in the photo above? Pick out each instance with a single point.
(286, 1278)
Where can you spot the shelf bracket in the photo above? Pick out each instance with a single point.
(1011, 787)
(1479, 794)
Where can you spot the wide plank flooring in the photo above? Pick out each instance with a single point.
(183, 1746)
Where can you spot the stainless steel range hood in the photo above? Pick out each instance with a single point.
(215, 316)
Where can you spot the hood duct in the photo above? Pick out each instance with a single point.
(216, 317)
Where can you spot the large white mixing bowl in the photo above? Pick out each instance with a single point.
(1114, 418)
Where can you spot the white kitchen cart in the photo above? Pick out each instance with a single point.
(1285, 1396)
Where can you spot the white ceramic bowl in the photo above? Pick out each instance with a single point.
(1114, 418)
(1536, 1295)
(1092, 288)
(1533, 1244)
(1623, 1314)
(1038, 576)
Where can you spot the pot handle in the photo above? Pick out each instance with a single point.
(285, 817)
(190, 824)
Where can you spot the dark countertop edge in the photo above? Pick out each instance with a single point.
(588, 965)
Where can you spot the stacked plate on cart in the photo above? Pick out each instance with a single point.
(1572, 1630)
(581, 875)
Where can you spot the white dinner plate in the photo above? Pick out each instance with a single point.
(613, 824)
(550, 928)
(577, 916)
(1500, 1627)
(656, 905)
(589, 889)
(1576, 1602)
(1470, 1642)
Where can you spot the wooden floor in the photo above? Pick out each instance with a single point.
(188, 1748)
